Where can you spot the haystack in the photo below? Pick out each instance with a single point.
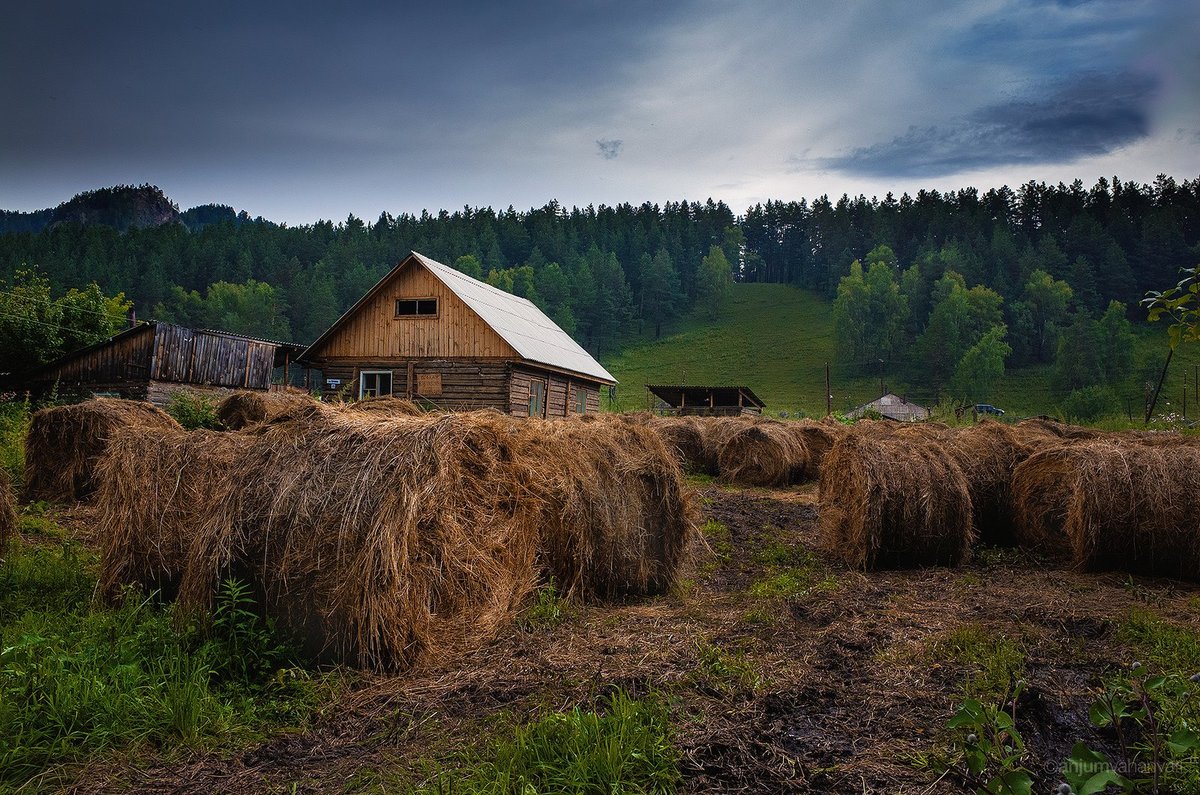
(716, 431)
(894, 502)
(243, 409)
(1133, 507)
(618, 517)
(384, 406)
(389, 540)
(817, 437)
(158, 491)
(684, 437)
(1040, 491)
(764, 454)
(8, 512)
(987, 454)
(65, 444)
(1048, 426)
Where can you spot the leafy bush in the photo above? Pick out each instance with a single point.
(14, 424)
(1089, 404)
(192, 411)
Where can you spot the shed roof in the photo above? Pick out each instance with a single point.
(893, 407)
(517, 320)
(677, 396)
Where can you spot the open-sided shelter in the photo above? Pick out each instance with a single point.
(429, 333)
(711, 401)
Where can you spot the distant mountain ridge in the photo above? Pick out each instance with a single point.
(122, 207)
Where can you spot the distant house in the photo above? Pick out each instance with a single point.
(706, 400)
(152, 360)
(892, 407)
(431, 334)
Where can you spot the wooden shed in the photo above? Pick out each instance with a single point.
(715, 401)
(431, 334)
(152, 360)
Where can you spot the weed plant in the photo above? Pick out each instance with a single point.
(622, 745)
(77, 681)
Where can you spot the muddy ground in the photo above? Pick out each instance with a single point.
(828, 680)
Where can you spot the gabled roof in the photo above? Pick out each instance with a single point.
(893, 407)
(518, 321)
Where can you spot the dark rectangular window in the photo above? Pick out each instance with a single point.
(416, 307)
(375, 383)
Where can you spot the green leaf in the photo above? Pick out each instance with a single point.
(1018, 782)
(1183, 741)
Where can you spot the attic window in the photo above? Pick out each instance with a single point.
(416, 307)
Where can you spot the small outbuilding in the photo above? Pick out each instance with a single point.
(152, 360)
(429, 333)
(712, 401)
(892, 407)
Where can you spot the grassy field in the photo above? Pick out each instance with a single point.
(776, 339)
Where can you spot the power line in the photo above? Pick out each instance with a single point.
(50, 302)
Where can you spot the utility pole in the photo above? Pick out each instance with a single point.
(828, 394)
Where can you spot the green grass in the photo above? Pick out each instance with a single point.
(790, 572)
(79, 681)
(776, 340)
(1165, 649)
(993, 662)
(623, 745)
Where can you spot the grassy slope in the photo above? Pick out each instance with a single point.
(776, 340)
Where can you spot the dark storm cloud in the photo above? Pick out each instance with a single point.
(289, 81)
(1088, 115)
(610, 149)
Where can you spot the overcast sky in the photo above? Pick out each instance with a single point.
(298, 111)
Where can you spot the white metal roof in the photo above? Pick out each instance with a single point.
(519, 322)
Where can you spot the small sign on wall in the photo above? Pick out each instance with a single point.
(333, 383)
(429, 384)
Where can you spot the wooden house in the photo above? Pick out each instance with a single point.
(152, 360)
(437, 336)
(713, 401)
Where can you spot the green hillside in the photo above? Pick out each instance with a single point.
(776, 340)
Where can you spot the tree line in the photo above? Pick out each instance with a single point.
(608, 273)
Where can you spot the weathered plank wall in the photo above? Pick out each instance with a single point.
(375, 333)
(465, 383)
(187, 356)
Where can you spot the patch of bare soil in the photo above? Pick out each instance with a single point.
(840, 692)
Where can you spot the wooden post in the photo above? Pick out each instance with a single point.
(1161, 378)
(408, 390)
(828, 394)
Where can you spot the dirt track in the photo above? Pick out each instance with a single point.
(836, 690)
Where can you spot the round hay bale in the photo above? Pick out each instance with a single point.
(888, 502)
(716, 431)
(244, 409)
(1039, 492)
(618, 517)
(65, 443)
(817, 438)
(8, 512)
(764, 454)
(987, 454)
(1133, 508)
(1048, 426)
(386, 406)
(684, 437)
(157, 491)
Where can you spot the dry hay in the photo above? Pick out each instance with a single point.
(389, 540)
(243, 409)
(716, 431)
(1039, 492)
(8, 512)
(764, 454)
(987, 454)
(1047, 426)
(385, 406)
(684, 437)
(65, 444)
(818, 437)
(894, 502)
(1123, 505)
(618, 517)
(157, 491)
